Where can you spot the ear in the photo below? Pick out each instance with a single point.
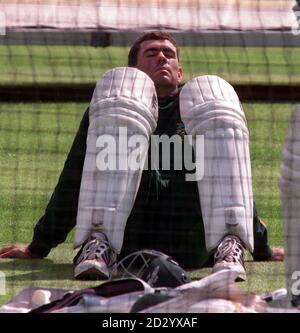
(180, 74)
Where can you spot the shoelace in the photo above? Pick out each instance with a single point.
(96, 249)
(230, 250)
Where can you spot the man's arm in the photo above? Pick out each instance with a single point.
(60, 214)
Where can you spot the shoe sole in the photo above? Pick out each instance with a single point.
(91, 274)
(89, 270)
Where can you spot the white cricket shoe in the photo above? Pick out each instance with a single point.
(230, 255)
(95, 260)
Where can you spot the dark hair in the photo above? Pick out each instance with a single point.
(153, 35)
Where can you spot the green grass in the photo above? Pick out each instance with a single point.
(34, 141)
(56, 271)
(78, 64)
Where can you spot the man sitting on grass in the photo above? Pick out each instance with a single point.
(107, 194)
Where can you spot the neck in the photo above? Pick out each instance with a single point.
(166, 91)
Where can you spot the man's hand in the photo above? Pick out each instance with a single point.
(17, 251)
(278, 254)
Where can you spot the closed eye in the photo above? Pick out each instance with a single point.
(168, 53)
(151, 52)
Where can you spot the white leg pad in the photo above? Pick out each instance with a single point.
(210, 107)
(123, 108)
(289, 183)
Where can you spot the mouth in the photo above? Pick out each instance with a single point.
(162, 69)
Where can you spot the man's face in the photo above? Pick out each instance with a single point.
(158, 59)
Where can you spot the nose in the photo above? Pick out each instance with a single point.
(161, 57)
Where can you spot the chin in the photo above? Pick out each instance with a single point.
(162, 81)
